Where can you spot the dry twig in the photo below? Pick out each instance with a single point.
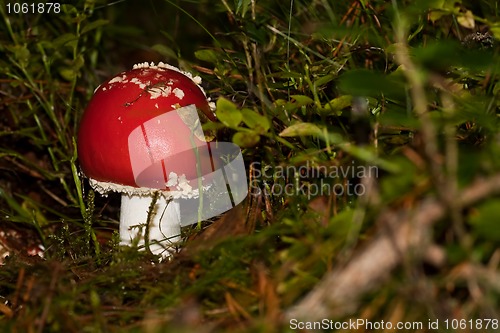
(405, 233)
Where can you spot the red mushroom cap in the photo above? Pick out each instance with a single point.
(129, 126)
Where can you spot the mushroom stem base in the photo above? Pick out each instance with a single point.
(164, 227)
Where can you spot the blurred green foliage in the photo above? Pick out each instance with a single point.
(285, 80)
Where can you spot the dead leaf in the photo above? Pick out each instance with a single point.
(466, 20)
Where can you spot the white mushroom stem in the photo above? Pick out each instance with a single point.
(164, 226)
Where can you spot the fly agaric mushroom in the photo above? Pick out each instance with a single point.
(141, 135)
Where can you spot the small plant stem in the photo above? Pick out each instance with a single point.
(76, 179)
(152, 222)
(419, 100)
(199, 179)
(451, 161)
(149, 221)
(90, 236)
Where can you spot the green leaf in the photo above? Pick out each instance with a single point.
(341, 223)
(207, 55)
(246, 139)
(212, 126)
(22, 54)
(281, 105)
(372, 84)
(302, 129)
(485, 220)
(94, 25)
(438, 8)
(255, 121)
(496, 88)
(466, 20)
(397, 184)
(78, 62)
(68, 73)
(398, 116)
(228, 113)
(13, 204)
(435, 15)
(324, 80)
(242, 7)
(301, 100)
(64, 40)
(164, 51)
(437, 54)
(370, 156)
(495, 30)
(336, 105)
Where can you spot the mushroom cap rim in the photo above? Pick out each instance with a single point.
(104, 188)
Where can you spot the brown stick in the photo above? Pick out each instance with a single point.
(406, 233)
